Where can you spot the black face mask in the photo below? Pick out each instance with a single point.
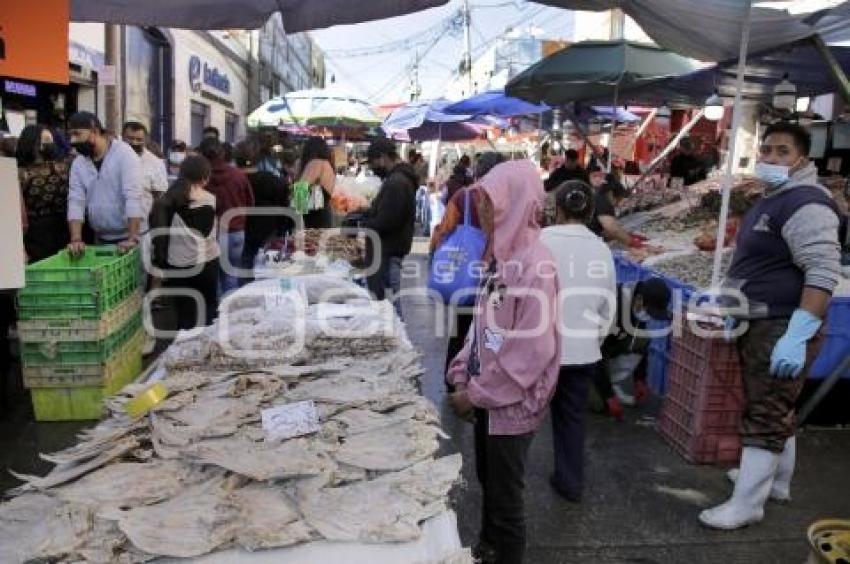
(380, 172)
(139, 149)
(49, 152)
(84, 148)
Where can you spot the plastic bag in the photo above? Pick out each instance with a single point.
(456, 269)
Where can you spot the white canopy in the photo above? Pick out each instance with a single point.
(710, 30)
(298, 15)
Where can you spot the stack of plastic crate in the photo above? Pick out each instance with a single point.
(80, 326)
(704, 400)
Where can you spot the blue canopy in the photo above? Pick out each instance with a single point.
(427, 120)
(495, 103)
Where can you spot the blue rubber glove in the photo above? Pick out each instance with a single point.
(789, 354)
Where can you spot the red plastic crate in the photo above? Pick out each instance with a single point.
(708, 448)
(704, 400)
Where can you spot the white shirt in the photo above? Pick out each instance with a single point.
(154, 178)
(588, 291)
(186, 246)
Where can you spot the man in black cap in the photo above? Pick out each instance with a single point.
(625, 350)
(392, 217)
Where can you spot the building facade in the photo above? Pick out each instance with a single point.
(174, 81)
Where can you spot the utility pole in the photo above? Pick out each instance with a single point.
(618, 24)
(467, 36)
(112, 93)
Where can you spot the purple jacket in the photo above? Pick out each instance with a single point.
(517, 344)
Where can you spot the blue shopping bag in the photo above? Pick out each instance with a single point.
(456, 267)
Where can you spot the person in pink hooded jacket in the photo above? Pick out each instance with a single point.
(506, 373)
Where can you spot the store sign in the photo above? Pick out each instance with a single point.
(22, 88)
(34, 40)
(202, 74)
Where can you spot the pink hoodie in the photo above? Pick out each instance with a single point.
(519, 348)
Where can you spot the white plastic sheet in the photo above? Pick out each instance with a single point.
(439, 541)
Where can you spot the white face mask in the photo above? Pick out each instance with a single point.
(773, 175)
(176, 158)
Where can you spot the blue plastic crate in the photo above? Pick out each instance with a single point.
(836, 344)
(629, 271)
(658, 358)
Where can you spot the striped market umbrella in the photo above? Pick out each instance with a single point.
(309, 108)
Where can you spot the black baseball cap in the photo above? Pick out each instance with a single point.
(84, 120)
(381, 146)
(656, 298)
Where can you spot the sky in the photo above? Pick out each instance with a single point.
(381, 75)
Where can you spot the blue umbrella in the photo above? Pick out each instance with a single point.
(428, 121)
(495, 103)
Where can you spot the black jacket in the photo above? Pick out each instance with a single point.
(393, 211)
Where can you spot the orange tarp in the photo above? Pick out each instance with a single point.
(34, 40)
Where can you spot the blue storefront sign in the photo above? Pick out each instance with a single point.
(202, 74)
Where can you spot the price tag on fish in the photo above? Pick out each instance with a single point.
(288, 294)
(290, 420)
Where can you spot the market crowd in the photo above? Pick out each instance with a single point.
(529, 342)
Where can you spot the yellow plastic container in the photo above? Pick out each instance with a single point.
(142, 403)
(80, 403)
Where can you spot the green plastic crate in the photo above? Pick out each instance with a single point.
(98, 265)
(128, 358)
(53, 353)
(62, 287)
(61, 330)
(78, 403)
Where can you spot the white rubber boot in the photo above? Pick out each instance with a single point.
(780, 492)
(746, 506)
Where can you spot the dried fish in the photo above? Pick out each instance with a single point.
(389, 448)
(261, 460)
(195, 522)
(66, 473)
(268, 519)
(692, 268)
(34, 526)
(129, 484)
(386, 509)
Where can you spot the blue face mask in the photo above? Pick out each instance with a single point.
(772, 175)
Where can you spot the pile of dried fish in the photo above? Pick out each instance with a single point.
(691, 218)
(692, 268)
(200, 473)
(261, 325)
(330, 243)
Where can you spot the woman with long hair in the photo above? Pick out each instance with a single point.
(317, 170)
(43, 177)
(188, 254)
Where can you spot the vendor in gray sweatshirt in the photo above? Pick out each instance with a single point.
(786, 263)
(105, 187)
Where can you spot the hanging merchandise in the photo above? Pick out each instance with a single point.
(317, 198)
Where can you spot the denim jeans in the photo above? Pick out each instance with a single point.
(232, 245)
(385, 284)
